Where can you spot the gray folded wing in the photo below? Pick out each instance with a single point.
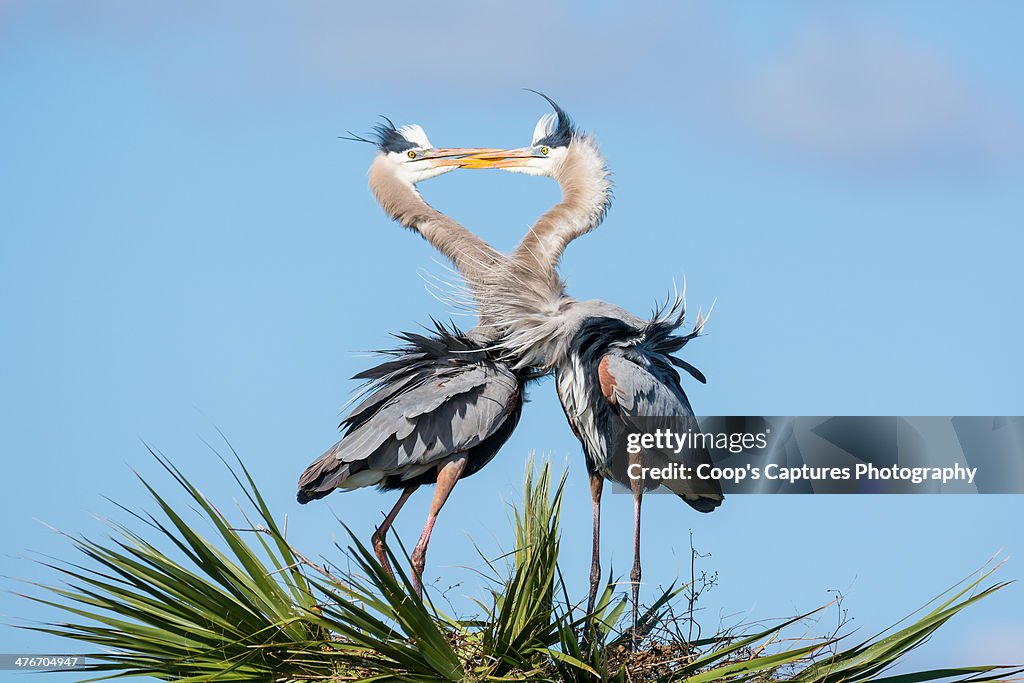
(646, 396)
(410, 423)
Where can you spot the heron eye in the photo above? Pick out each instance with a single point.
(544, 150)
(412, 154)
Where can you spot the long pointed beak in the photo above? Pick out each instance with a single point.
(501, 158)
(457, 156)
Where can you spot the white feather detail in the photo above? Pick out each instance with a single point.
(363, 478)
(545, 127)
(415, 133)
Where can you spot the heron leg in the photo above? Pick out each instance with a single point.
(596, 487)
(381, 531)
(449, 471)
(637, 485)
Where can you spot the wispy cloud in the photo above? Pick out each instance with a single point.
(865, 97)
(412, 46)
(833, 91)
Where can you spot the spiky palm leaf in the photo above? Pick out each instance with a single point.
(245, 606)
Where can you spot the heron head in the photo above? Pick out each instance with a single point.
(413, 158)
(553, 136)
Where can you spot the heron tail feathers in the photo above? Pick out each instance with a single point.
(702, 502)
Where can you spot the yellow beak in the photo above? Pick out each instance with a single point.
(458, 156)
(499, 158)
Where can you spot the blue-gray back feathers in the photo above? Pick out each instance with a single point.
(438, 395)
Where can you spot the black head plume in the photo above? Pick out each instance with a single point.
(389, 139)
(561, 134)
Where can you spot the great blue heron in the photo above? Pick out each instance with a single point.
(613, 369)
(444, 404)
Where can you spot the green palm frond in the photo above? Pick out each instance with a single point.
(238, 603)
(191, 608)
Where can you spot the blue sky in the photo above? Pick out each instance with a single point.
(187, 246)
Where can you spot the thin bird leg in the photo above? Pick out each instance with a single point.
(381, 531)
(596, 487)
(637, 485)
(448, 472)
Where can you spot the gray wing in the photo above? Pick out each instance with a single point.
(649, 397)
(414, 424)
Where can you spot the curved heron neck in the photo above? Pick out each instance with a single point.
(586, 196)
(537, 318)
(401, 201)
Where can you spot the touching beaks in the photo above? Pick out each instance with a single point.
(500, 158)
(457, 156)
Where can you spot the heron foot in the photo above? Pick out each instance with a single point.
(379, 550)
(634, 577)
(595, 583)
(418, 560)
